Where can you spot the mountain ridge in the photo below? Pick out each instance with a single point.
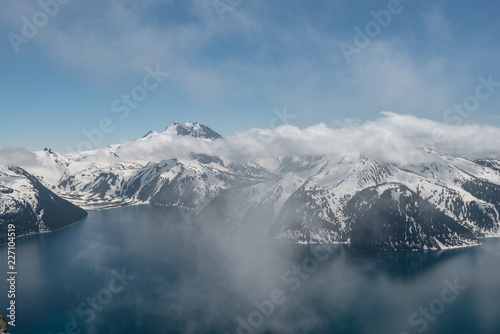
(307, 199)
(30, 206)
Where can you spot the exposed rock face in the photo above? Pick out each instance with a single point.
(4, 325)
(392, 216)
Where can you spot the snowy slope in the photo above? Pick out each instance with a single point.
(31, 207)
(391, 216)
(462, 190)
(192, 129)
(293, 198)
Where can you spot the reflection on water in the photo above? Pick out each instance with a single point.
(187, 281)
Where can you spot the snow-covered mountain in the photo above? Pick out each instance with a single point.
(192, 129)
(463, 190)
(441, 202)
(321, 202)
(30, 206)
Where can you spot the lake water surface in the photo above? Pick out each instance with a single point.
(141, 270)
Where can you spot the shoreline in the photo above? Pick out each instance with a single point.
(347, 243)
(46, 232)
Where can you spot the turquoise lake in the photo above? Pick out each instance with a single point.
(141, 269)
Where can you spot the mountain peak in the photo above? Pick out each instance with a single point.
(150, 133)
(192, 129)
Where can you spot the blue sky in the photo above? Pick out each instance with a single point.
(231, 63)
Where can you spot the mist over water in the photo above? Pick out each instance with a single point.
(179, 279)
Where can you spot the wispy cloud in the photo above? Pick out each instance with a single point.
(16, 156)
(436, 24)
(268, 54)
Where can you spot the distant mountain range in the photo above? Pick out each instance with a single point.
(443, 202)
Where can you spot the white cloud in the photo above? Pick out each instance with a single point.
(392, 137)
(437, 26)
(16, 156)
(389, 77)
(298, 65)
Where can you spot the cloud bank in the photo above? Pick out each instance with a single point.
(391, 137)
